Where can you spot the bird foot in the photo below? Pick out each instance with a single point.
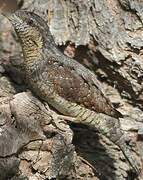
(58, 119)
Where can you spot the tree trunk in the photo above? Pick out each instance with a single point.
(106, 37)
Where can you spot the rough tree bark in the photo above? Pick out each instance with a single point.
(106, 36)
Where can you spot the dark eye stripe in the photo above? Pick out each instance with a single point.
(30, 22)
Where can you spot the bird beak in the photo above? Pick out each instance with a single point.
(15, 20)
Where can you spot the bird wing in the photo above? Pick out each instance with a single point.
(76, 83)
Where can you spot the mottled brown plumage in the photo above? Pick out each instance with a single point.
(77, 84)
(63, 82)
(69, 79)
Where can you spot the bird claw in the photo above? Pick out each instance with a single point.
(58, 119)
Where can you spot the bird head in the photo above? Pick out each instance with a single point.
(31, 30)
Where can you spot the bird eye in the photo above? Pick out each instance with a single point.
(30, 22)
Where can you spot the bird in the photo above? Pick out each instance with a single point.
(64, 83)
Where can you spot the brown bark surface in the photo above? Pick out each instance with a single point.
(105, 36)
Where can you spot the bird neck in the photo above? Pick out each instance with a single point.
(31, 51)
(36, 53)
